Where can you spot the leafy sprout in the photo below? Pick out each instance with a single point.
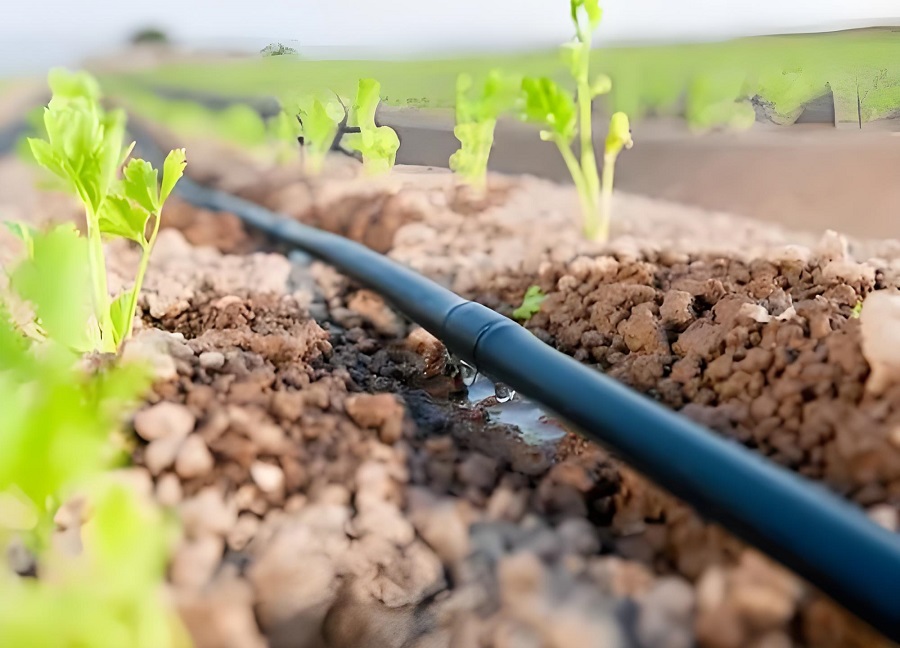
(531, 304)
(84, 147)
(564, 118)
(313, 119)
(476, 119)
(378, 145)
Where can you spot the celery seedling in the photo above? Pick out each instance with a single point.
(531, 304)
(319, 124)
(548, 104)
(476, 119)
(85, 148)
(378, 145)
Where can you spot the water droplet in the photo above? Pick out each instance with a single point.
(468, 373)
(504, 393)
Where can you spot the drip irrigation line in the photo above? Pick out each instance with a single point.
(821, 537)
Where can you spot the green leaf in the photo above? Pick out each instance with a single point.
(119, 311)
(601, 85)
(619, 135)
(55, 281)
(173, 169)
(120, 217)
(546, 103)
(591, 9)
(24, 233)
(73, 85)
(531, 304)
(377, 144)
(45, 156)
(140, 184)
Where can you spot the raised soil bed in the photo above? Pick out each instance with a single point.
(338, 489)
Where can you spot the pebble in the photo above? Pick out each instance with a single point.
(207, 512)
(886, 516)
(160, 454)
(194, 458)
(212, 360)
(164, 420)
(168, 490)
(268, 477)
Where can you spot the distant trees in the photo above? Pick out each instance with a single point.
(149, 35)
(278, 49)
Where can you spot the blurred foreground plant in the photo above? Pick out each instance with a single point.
(551, 106)
(57, 439)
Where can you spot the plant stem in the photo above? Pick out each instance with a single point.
(586, 198)
(98, 279)
(146, 249)
(609, 169)
(593, 224)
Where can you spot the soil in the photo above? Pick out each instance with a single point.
(337, 489)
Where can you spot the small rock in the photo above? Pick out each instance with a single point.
(168, 490)
(160, 454)
(194, 458)
(212, 360)
(378, 411)
(880, 328)
(164, 420)
(371, 307)
(268, 477)
(886, 516)
(676, 311)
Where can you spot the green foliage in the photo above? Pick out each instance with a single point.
(549, 105)
(107, 597)
(531, 304)
(562, 118)
(58, 433)
(320, 122)
(55, 441)
(476, 119)
(377, 144)
(84, 147)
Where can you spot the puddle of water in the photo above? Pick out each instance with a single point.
(536, 427)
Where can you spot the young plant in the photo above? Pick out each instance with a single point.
(531, 304)
(314, 122)
(378, 145)
(548, 104)
(476, 119)
(85, 148)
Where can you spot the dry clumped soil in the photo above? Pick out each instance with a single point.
(336, 489)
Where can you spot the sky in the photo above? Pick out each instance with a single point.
(37, 33)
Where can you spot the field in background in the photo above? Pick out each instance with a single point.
(708, 84)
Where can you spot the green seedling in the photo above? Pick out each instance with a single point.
(857, 310)
(312, 120)
(563, 118)
(378, 145)
(476, 119)
(531, 304)
(85, 148)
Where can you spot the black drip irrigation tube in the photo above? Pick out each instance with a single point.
(801, 524)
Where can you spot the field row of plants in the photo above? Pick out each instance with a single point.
(709, 84)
